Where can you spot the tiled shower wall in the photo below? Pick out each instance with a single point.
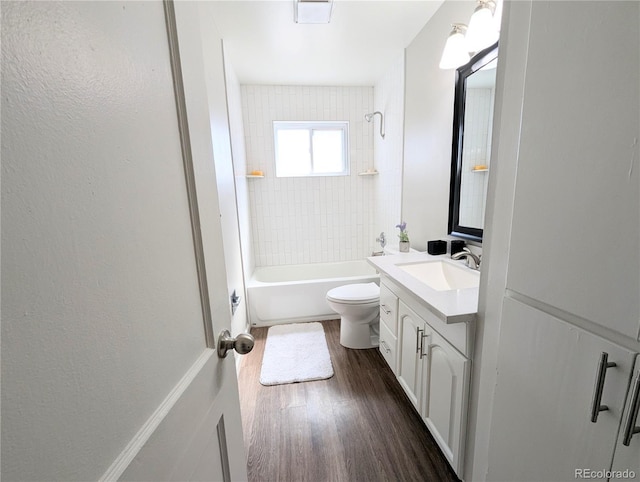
(309, 219)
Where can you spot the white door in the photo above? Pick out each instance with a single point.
(542, 427)
(113, 279)
(214, 449)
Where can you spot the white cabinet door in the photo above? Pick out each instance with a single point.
(541, 423)
(410, 363)
(444, 397)
(575, 241)
(627, 454)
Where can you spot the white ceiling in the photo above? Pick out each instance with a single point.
(265, 46)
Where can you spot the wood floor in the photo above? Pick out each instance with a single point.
(356, 426)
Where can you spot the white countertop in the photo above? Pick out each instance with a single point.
(453, 306)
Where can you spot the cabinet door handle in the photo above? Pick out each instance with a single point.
(385, 346)
(596, 407)
(634, 405)
(418, 340)
(384, 308)
(424, 335)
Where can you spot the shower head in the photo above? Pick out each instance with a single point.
(369, 118)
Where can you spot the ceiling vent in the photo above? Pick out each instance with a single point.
(312, 11)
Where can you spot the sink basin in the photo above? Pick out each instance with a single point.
(442, 275)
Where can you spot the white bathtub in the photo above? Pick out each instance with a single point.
(288, 294)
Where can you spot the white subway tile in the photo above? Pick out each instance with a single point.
(327, 219)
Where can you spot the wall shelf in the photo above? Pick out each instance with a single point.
(368, 173)
(480, 170)
(253, 176)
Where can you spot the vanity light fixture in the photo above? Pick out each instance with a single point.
(482, 31)
(455, 51)
(312, 11)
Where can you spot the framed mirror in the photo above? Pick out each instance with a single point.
(472, 124)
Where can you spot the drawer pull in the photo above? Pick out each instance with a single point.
(596, 406)
(385, 309)
(634, 406)
(422, 353)
(385, 346)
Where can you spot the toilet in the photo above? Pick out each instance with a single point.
(359, 308)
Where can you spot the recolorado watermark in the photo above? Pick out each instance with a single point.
(604, 474)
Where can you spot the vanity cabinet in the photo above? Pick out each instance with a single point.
(435, 376)
(426, 337)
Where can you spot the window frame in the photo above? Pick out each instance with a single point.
(312, 126)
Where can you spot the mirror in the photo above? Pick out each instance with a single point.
(471, 149)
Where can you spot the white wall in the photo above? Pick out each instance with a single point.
(428, 127)
(101, 314)
(225, 179)
(429, 97)
(312, 219)
(234, 100)
(388, 152)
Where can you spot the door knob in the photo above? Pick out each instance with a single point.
(243, 343)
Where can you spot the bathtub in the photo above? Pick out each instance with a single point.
(288, 294)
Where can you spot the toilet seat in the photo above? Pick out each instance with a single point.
(355, 294)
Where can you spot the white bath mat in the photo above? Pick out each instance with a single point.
(295, 353)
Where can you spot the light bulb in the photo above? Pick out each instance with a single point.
(455, 51)
(481, 32)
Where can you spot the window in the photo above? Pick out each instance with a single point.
(311, 148)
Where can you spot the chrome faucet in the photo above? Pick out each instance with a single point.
(383, 242)
(473, 261)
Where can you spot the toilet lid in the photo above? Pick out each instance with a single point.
(364, 292)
